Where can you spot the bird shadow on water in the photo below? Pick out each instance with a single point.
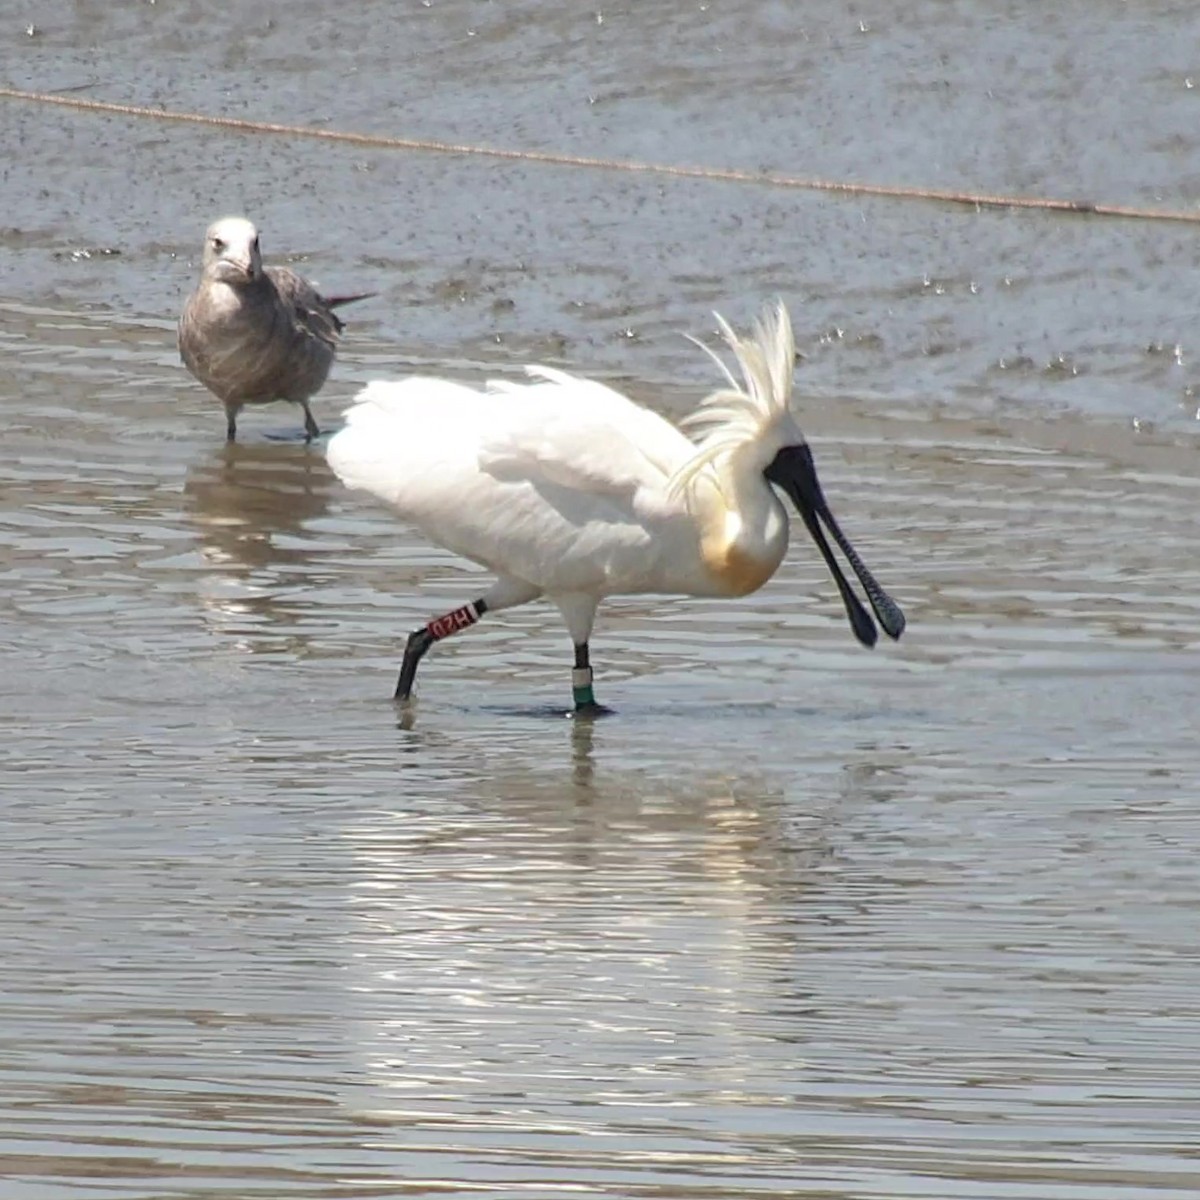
(295, 437)
(406, 713)
(630, 712)
(730, 739)
(287, 436)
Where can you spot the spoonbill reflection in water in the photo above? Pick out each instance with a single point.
(566, 489)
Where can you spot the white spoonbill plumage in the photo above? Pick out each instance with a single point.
(565, 488)
(252, 334)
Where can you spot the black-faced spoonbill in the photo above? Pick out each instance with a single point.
(253, 334)
(566, 489)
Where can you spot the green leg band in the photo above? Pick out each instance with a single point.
(581, 687)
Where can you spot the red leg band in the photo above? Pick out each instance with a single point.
(452, 622)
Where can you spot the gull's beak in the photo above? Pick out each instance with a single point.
(230, 269)
(793, 470)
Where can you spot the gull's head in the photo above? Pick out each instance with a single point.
(231, 253)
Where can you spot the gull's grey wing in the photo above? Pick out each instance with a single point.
(271, 339)
(310, 310)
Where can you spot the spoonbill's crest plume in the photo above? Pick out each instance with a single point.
(253, 334)
(753, 415)
(565, 488)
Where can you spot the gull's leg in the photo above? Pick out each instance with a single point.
(231, 412)
(506, 592)
(311, 428)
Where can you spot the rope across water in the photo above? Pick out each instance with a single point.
(723, 174)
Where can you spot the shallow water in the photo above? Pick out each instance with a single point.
(799, 919)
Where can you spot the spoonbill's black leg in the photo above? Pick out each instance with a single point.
(581, 685)
(421, 639)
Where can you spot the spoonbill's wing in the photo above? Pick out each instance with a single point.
(546, 481)
(594, 429)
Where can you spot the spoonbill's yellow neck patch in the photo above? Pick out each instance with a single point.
(736, 564)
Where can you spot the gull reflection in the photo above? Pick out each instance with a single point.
(250, 506)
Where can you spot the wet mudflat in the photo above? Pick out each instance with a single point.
(799, 919)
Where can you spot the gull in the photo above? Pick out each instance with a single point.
(253, 334)
(564, 488)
